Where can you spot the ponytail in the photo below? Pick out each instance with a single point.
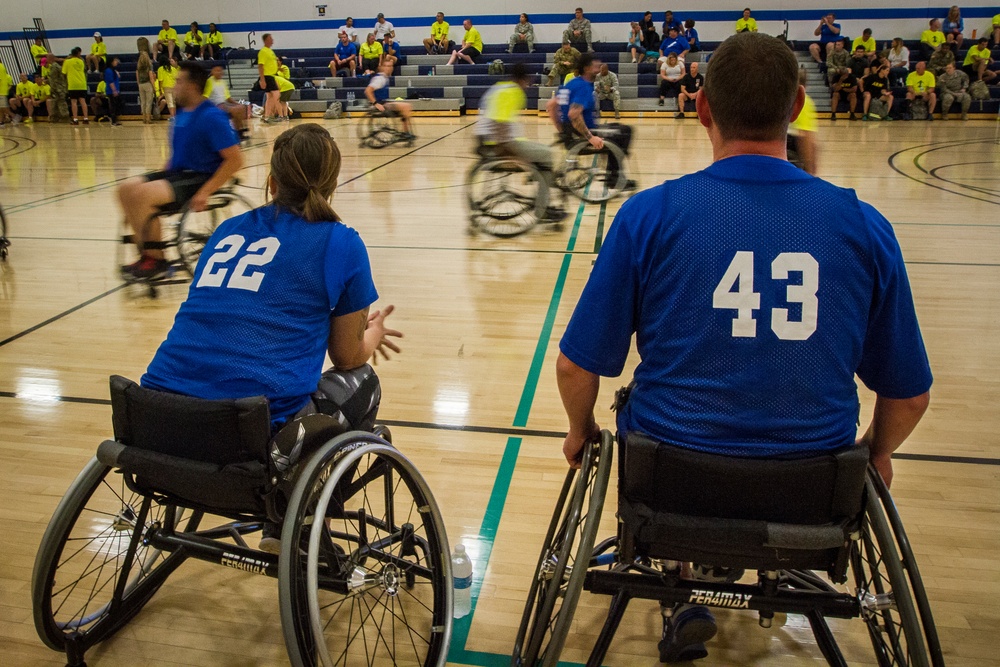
(305, 166)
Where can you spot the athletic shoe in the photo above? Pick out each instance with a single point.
(865, 117)
(660, 103)
(29, 120)
(685, 634)
(944, 116)
(129, 269)
(554, 214)
(74, 122)
(965, 115)
(86, 121)
(150, 268)
(679, 114)
(852, 116)
(618, 115)
(930, 117)
(270, 539)
(833, 116)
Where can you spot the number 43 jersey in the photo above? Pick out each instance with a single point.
(257, 317)
(756, 292)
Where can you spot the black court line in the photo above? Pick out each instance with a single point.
(527, 432)
(18, 148)
(949, 144)
(61, 315)
(406, 154)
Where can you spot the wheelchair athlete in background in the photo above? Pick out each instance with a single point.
(754, 301)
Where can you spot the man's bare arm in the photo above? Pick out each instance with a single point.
(578, 389)
(893, 421)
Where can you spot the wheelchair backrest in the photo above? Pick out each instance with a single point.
(817, 489)
(211, 431)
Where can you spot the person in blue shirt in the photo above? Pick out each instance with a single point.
(756, 294)
(345, 57)
(670, 22)
(691, 35)
(577, 114)
(205, 153)
(674, 42)
(112, 88)
(828, 32)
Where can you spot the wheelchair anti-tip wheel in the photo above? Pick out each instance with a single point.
(365, 568)
(93, 572)
(565, 557)
(586, 172)
(195, 228)
(507, 196)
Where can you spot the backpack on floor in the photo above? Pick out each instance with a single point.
(979, 90)
(495, 68)
(333, 111)
(878, 108)
(918, 109)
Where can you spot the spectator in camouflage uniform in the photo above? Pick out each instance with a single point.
(523, 32)
(60, 89)
(578, 31)
(564, 62)
(838, 61)
(606, 88)
(954, 87)
(940, 59)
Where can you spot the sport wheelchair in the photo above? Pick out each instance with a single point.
(4, 241)
(185, 234)
(379, 129)
(364, 573)
(677, 505)
(508, 196)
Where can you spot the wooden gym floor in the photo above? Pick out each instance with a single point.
(473, 398)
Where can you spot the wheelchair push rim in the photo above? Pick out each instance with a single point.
(195, 228)
(586, 172)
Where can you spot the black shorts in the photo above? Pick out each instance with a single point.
(471, 52)
(285, 96)
(270, 85)
(185, 184)
(77, 94)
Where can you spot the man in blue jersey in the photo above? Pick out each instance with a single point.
(377, 93)
(578, 114)
(755, 292)
(205, 153)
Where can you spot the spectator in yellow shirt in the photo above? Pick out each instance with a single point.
(803, 148)
(920, 83)
(438, 42)
(167, 39)
(472, 45)
(977, 60)
(746, 23)
(996, 30)
(166, 74)
(5, 84)
(267, 69)
(194, 42)
(370, 54)
(213, 42)
(22, 103)
(931, 39)
(38, 52)
(75, 70)
(867, 42)
(43, 95)
(98, 54)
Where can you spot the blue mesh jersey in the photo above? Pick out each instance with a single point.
(257, 317)
(197, 136)
(755, 292)
(577, 91)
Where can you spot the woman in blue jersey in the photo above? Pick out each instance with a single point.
(277, 289)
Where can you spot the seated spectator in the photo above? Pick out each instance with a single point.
(38, 52)
(98, 54)
(563, 62)
(860, 63)
(838, 61)
(670, 22)
(876, 86)
(99, 102)
(472, 45)
(578, 32)
(22, 102)
(345, 57)
(953, 26)
(671, 74)
(931, 39)
(845, 84)
(194, 42)
(113, 89)
(390, 51)
(691, 86)
(377, 93)
(996, 30)
(159, 101)
(635, 46)
(650, 38)
(920, 84)
(352, 33)
(524, 33)
(606, 88)
(746, 23)
(382, 27)
(674, 43)
(954, 84)
(866, 42)
(438, 42)
(899, 62)
(371, 55)
(828, 32)
(977, 62)
(283, 69)
(166, 39)
(217, 93)
(166, 74)
(941, 59)
(213, 43)
(43, 95)
(691, 35)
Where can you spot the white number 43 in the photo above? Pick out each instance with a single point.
(745, 301)
(258, 253)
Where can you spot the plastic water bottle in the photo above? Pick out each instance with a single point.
(434, 70)
(350, 98)
(461, 569)
(409, 83)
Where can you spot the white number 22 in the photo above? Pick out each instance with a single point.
(744, 300)
(258, 253)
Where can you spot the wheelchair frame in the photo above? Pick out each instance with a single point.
(507, 195)
(370, 558)
(889, 594)
(189, 234)
(380, 129)
(585, 181)
(4, 241)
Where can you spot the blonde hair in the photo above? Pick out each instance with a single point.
(144, 58)
(305, 166)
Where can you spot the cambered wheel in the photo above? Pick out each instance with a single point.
(586, 172)
(566, 555)
(887, 604)
(364, 572)
(195, 228)
(93, 572)
(4, 241)
(377, 131)
(507, 196)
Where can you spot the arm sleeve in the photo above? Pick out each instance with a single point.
(894, 361)
(599, 334)
(348, 273)
(219, 132)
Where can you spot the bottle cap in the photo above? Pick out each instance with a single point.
(460, 548)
